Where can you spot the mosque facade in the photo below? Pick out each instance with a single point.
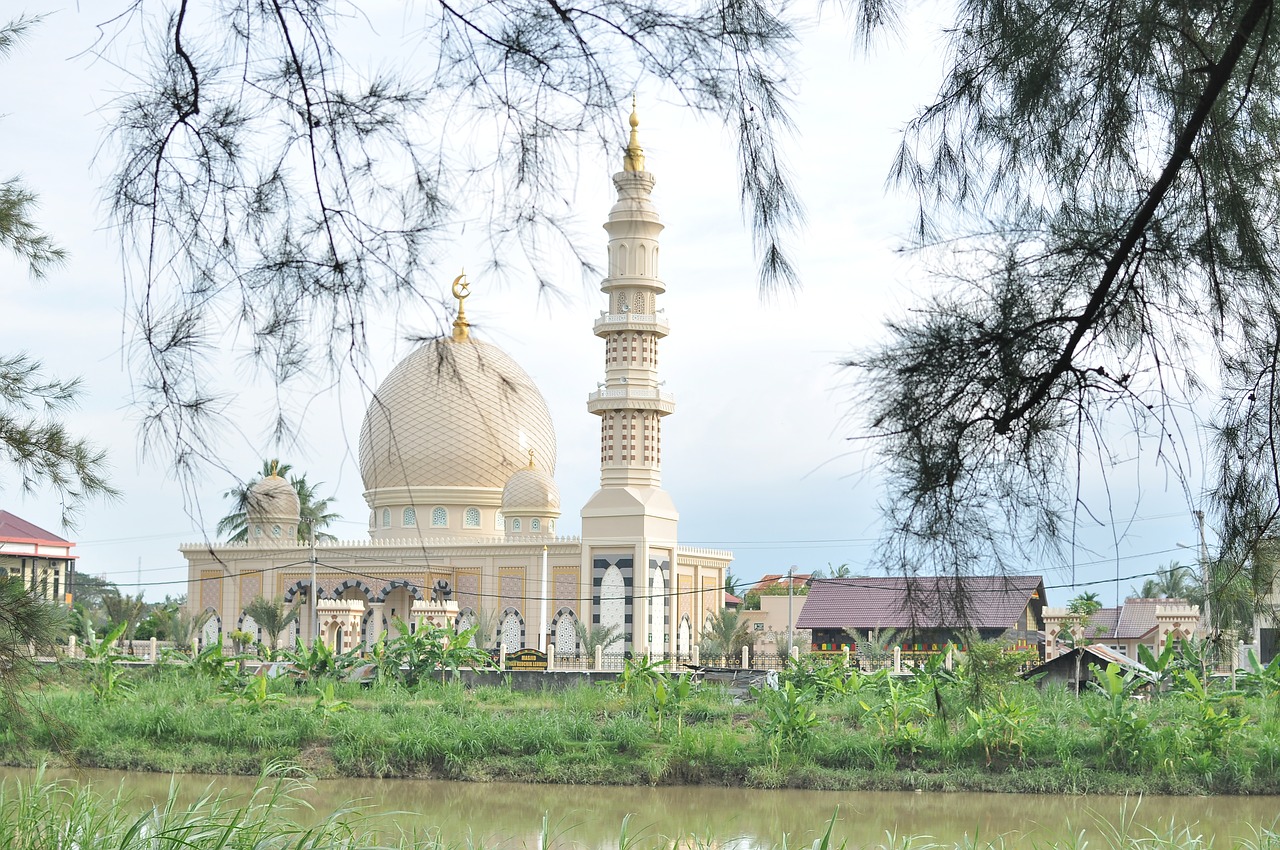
(458, 458)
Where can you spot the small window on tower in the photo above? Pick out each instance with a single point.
(472, 518)
(498, 522)
(439, 518)
(410, 517)
(535, 525)
(515, 524)
(386, 517)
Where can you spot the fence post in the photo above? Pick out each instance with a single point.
(693, 656)
(897, 659)
(599, 657)
(551, 658)
(71, 645)
(950, 661)
(846, 656)
(746, 658)
(502, 656)
(155, 657)
(795, 652)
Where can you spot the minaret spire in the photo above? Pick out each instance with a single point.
(631, 402)
(634, 159)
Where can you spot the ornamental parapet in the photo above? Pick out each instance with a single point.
(655, 323)
(631, 398)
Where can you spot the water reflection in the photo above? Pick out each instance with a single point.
(511, 815)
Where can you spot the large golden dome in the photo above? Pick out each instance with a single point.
(455, 415)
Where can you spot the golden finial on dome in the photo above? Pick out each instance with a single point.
(275, 469)
(634, 160)
(461, 290)
(531, 458)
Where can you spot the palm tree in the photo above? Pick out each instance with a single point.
(123, 608)
(725, 635)
(1172, 582)
(272, 616)
(732, 584)
(1086, 603)
(592, 637)
(313, 512)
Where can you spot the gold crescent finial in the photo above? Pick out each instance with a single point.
(634, 160)
(531, 458)
(275, 466)
(461, 291)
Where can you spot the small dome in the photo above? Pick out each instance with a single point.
(530, 491)
(453, 414)
(273, 498)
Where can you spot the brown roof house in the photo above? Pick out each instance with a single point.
(40, 559)
(926, 614)
(1153, 622)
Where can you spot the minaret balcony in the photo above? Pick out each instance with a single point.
(645, 322)
(631, 398)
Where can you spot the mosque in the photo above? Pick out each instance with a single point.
(458, 460)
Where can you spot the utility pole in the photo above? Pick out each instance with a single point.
(1204, 571)
(315, 611)
(791, 621)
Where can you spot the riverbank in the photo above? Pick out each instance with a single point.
(880, 735)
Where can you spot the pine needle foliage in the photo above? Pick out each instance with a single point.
(1095, 196)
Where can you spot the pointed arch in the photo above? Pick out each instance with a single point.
(348, 584)
(683, 637)
(565, 633)
(413, 589)
(613, 598)
(640, 258)
(622, 259)
(211, 632)
(292, 591)
(511, 630)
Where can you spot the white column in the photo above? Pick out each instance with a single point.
(542, 616)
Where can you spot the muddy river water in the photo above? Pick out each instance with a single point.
(511, 815)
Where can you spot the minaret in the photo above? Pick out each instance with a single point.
(631, 521)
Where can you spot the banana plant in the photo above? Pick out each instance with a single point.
(108, 679)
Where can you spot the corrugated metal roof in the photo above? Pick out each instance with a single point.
(981, 602)
(1099, 653)
(18, 529)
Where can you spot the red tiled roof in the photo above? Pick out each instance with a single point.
(989, 602)
(730, 599)
(18, 530)
(771, 580)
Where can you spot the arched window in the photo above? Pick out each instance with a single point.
(551, 526)
(535, 525)
(613, 598)
(511, 635)
(471, 518)
(386, 517)
(257, 531)
(410, 517)
(515, 524)
(565, 634)
(498, 524)
(439, 518)
(275, 531)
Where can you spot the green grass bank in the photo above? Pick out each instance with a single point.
(823, 730)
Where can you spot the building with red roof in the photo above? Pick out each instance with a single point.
(40, 559)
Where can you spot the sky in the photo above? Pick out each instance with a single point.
(760, 455)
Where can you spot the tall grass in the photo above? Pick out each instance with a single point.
(868, 736)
